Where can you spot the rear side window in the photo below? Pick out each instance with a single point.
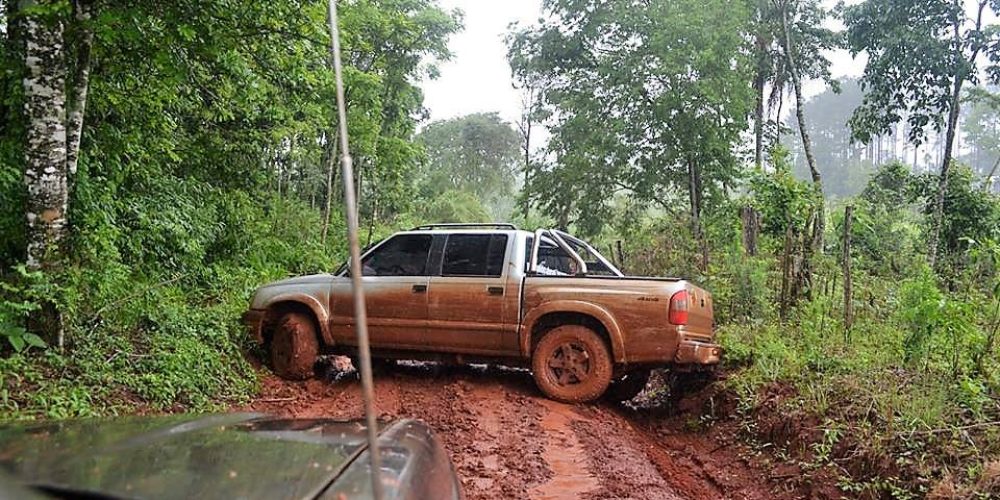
(474, 255)
(402, 255)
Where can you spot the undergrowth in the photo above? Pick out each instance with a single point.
(156, 336)
(902, 402)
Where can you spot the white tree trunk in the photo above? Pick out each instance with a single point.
(45, 150)
(331, 163)
(79, 83)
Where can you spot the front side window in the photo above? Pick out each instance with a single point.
(474, 255)
(402, 255)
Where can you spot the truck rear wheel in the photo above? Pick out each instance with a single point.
(294, 346)
(628, 386)
(572, 364)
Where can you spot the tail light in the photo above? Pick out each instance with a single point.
(678, 314)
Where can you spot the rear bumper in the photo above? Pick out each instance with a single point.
(254, 321)
(693, 352)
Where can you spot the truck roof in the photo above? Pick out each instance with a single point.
(468, 228)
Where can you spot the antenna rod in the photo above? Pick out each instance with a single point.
(351, 208)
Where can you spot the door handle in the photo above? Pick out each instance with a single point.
(495, 290)
(419, 288)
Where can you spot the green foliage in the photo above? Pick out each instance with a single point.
(783, 200)
(22, 293)
(969, 212)
(203, 167)
(478, 154)
(454, 206)
(637, 95)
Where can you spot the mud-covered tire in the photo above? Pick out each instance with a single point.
(628, 386)
(294, 346)
(572, 364)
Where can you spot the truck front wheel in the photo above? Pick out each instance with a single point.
(572, 364)
(294, 346)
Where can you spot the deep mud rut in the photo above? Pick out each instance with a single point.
(507, 441)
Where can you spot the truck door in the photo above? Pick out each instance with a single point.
(470, 305)
(395, 277)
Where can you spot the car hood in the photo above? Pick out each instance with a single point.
(218, 456)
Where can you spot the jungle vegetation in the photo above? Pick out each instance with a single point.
(159, 160)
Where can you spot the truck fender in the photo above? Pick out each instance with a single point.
(574, 306)
(314, 305)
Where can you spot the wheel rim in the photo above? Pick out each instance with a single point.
(569, 364)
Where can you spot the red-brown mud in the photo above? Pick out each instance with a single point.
(507, 441)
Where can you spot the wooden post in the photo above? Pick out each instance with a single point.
(848, 300)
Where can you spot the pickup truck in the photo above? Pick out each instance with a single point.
(492, 293)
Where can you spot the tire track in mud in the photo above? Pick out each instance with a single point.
(508, 441)
(564, 452)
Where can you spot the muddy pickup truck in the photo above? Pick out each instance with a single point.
(495, 294)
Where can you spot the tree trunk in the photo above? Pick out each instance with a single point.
(79, 82)
(330, 173)
(694, 192)
(751, 229)
(45, 172)
(945, 166)
(758, 116)
(988, 185)
(818, 228)
(45, 150)
(848, 298)
(781, 106)
(373, 217)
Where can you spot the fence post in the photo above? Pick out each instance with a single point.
(848, 299)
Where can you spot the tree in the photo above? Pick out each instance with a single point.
(846, 164)
(644, 100)
(804, 58)
(478, 153)
(809, 38)
(981, 124)
(920, 55)
(54, 120)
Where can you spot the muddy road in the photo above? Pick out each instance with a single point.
(507, 441)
